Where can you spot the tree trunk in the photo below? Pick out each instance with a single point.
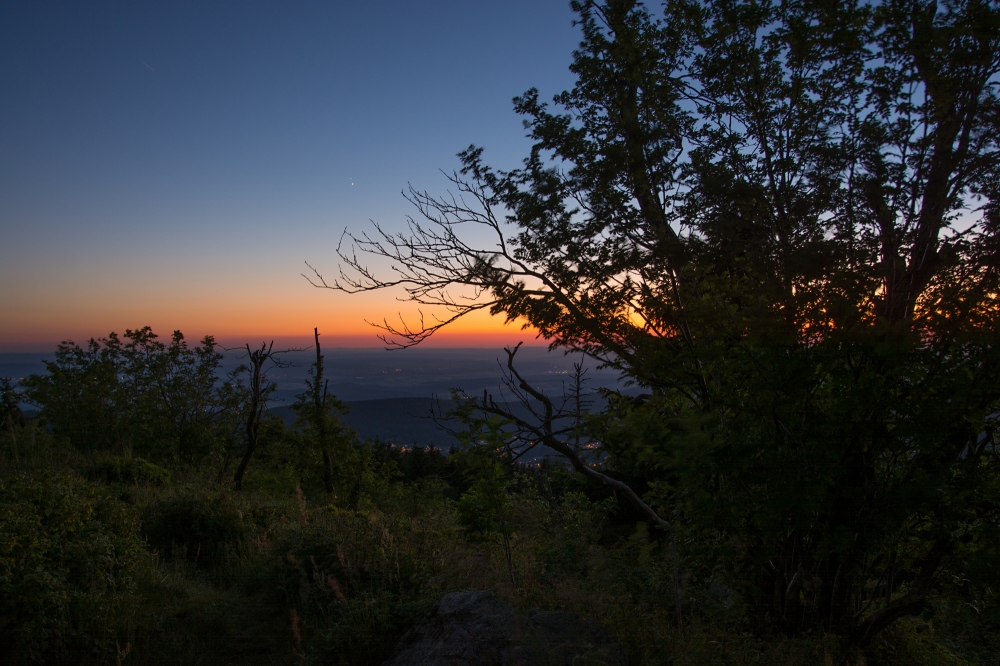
(319, 418)
(256, 410)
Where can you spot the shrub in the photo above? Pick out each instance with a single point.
(131, 470)
(30, 447)
(356, 580)
(68, 553)
(199, 528)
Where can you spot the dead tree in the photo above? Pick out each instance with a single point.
(258, 394)
(319, 391)
(257, 403)
(580, 403)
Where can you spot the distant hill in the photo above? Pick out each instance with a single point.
(405, 421)
(390, 393)
(373, 375)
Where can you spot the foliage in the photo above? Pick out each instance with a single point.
(485, 511)
(254, 577)
(141, 395)
(10, 410)
(202, 528)
(68, 552)
(31, 447)
(131, 471)
(356, 580)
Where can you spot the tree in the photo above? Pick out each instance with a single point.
(485, 509)
(138, 394)
(257, 393)
(783, 221)
(10, 409)
(317, 413)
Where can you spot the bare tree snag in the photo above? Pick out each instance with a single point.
(255, 409)
(258, 394)
(319, 417)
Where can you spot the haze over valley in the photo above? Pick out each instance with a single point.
(390, 393)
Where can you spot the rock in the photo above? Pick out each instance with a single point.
(475, 627)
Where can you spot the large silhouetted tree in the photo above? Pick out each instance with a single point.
(782, 220)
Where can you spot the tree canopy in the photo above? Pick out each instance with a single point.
(137, 393)
(781, 220)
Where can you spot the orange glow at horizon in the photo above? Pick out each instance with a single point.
(235, 317)
(235, 297)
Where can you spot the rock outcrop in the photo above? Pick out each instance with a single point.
(475, 627)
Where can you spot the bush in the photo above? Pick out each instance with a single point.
(201, 528)
(131, 471)
(68, 553)
(356, 580)
(30, 447)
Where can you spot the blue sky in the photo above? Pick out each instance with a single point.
(174, 163)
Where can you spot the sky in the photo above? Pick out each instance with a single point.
(175, 164)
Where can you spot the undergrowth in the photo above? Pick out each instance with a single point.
(117, 560)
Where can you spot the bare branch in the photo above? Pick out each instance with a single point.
(544, 428)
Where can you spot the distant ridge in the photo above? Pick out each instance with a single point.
(405, 421)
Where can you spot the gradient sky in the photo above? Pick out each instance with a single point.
(173, 164)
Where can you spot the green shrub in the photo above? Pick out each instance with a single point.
(31, 447)
(200, 528)
(357, 580)
(131, 471)
(68, 553)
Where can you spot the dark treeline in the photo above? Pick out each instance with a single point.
(154, 511)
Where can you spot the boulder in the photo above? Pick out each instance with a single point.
(475, 627)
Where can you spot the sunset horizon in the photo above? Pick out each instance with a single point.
(448, 340)
(184, 166)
